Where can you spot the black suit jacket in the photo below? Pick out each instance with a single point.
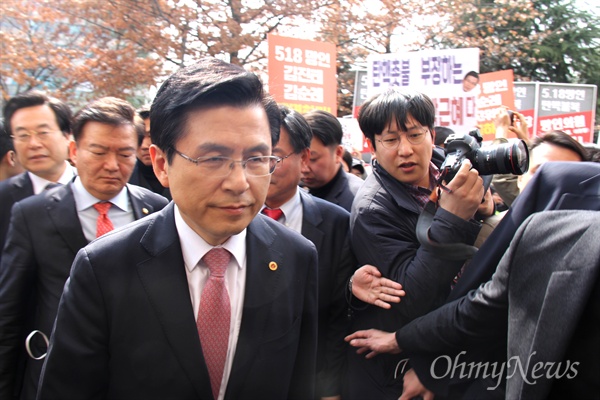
(327, 226)
(342, 191)
(539, 294)
(555, 186)
(44, 237)
(12, 190)
(126, 329)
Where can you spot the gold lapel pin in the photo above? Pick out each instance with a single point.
(273, 266)
(145, 211)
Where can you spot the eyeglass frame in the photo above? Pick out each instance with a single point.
(283, 158)
(399, 137)
(241, 162)
(42, 135)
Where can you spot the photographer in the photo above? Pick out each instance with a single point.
(399, 126)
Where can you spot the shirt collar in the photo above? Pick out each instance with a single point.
(290, 206)
(193, 247)
(39, 183)
(85, 200)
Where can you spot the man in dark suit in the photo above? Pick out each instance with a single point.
(40, 127)
(556, 186)
(143, 173)
(48, 230)
(323, 174)
(203, 299)
(324, 224)
(9, 164)
(544, 293)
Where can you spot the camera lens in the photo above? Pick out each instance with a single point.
(506, 158)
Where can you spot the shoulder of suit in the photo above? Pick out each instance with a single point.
(328, 208)
(146, 194)
(262, 225)
(19, 180)
(46, 197)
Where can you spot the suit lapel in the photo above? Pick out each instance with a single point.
(62, 211)
(164, 279)
(141, 208)
(22, 187)
(261, 284)
(311, 219)
(587, 197)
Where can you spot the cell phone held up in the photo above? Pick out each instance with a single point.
(511, 115)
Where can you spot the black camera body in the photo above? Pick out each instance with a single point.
(505, 158)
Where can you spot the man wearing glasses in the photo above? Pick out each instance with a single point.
(47, 230)
(326, 225)
(203, 299)
(40, 127)
(399, 126)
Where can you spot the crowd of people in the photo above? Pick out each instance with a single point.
(217, 245)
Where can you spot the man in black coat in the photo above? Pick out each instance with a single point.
(383, 223)
(326, 225)
(323, 174)
(48, 230)
(40, 127)
(204, 299)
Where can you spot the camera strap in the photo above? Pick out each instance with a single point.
(448, 251)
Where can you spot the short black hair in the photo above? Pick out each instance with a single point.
(347, 159)
(34, 98)
(208, 83)
(144, 111)
(298, 129)
(6, 143)
(377, 112)
(471, 73)
(107, 110)
(325, 127)
(441, 134)
(560, 139)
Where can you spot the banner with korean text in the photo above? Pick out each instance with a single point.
(567, 107)
(558, 106)
(525, 99)
(437, 73)
(496, 92)
(302, 74)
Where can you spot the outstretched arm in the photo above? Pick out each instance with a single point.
(369, 286)
(374, 341)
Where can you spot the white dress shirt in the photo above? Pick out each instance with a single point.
(39, 183)
(292, 212)
(120, 214)
(194, 248)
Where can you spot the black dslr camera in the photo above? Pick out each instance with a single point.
(505, 158)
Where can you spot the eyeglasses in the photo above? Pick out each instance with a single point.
(25, 136)
(218, 166)
(283, 158)
(392, 141)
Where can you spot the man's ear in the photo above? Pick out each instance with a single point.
(305, 156)
(160, 164)
(339, 153)
(11, 158)
(73, 152)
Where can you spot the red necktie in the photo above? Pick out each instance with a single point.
(274, 213)
(103, 223)
(214, 317)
